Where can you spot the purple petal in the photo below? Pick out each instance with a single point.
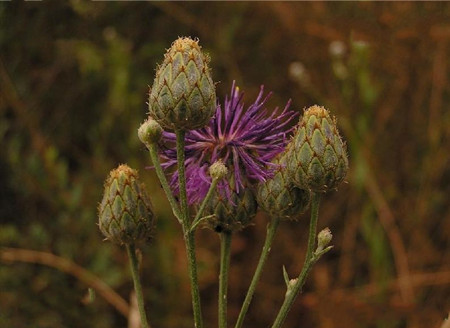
(246, 140)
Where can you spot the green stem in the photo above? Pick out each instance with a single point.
(188, 235)
(163, 180)
(205, 201)
(182, 177)
(137, 284)
(296, 285)
(225, 243)
(192, 264)
(271, 229)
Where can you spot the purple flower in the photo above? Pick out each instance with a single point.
(245, 140)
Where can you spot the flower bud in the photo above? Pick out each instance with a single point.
(150, 132)
(125, 213)
(323, 239)
(218, 170)
(317, 158)
(232, 211)
(183, 94)
(279, 197)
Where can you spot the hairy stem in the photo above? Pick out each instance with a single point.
(188, 235)
(225, 243)
(163, 180)
(296, 285)
(205, 201)
(182, 177)
(137, 284)
(271, 229)
(192, 263)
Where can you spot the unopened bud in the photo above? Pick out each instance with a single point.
(278, 197)
(317, 157)
(218, 170)
(125, 213)
(323, 239)
(183, 95)
(150, 132)
(233, 211)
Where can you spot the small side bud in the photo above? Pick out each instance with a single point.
(323, 239)
(291, 285)
(150, 132)
(218, 170)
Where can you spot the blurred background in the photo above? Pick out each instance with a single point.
(74, 79)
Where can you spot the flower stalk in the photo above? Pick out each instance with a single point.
(225, 245)
(137, 284)
(294, 286)
(162, 179)
(198, 217)
(188, 234)
(271, 230)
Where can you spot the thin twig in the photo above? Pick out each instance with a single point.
(439, 83)
(134, 318)
(387, 220)
(25, 116)
(69, 267)
(180, 14)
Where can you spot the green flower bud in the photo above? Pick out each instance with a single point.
(323, 239)
(218, 170)
(231, 212)
(317, 157)
(125, 213)
(279, 197)
(183, 94)
(150, 132)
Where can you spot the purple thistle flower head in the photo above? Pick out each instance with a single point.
(245, 140)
